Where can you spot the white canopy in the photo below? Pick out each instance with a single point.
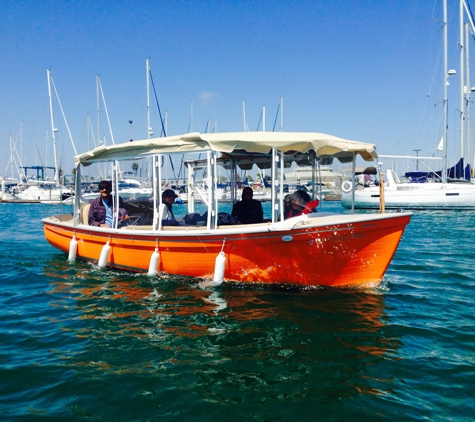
(250, 142)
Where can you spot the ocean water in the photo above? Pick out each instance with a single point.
(82, 344)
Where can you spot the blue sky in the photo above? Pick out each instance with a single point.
(360, 70)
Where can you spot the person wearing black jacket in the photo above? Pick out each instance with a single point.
(249, 210)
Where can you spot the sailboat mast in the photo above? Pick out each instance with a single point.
(149, 127)
(21, 144)
(469, 89)
(462, 85)
(106, 111)
(53, 130)
(11, 156)
(281, 114)
(468, 94)
(98, 111)
(445, 80)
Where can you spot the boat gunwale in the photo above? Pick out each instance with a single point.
(322, 221)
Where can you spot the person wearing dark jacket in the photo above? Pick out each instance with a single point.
(101, 211)
(249, 210)
(168, 198)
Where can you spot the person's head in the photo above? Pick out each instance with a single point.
(105, 188)
(168, 196)
(304, 195)
(296, 200)
(247, 194)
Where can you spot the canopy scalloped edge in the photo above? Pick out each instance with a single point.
(251, 142)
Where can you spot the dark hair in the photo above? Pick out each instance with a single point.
(304, 195)
(105, 184)
(247, 189)
(297, 199)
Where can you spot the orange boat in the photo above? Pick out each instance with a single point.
(316, 249)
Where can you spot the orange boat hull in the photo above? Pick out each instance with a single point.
(351, 254)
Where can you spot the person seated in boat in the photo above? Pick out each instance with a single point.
(102, 208)
(248, 210)
(298, 203)
(168, 199)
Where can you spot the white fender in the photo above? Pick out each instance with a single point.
(104, 255)
(73, 248)
(346, 186)
(152, 268)
(219, 269)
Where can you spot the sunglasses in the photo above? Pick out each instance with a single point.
(104, 188)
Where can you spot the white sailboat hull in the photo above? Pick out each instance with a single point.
(124, 194)
(415, 196)
(42, 193)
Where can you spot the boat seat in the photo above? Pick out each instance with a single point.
(85, 214)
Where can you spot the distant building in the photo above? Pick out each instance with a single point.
(324, 174)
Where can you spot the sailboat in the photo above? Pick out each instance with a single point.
(129, 185)
(8, 184)
(41, 189)
(438, 190)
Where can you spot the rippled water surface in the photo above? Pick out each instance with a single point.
(78, 343)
